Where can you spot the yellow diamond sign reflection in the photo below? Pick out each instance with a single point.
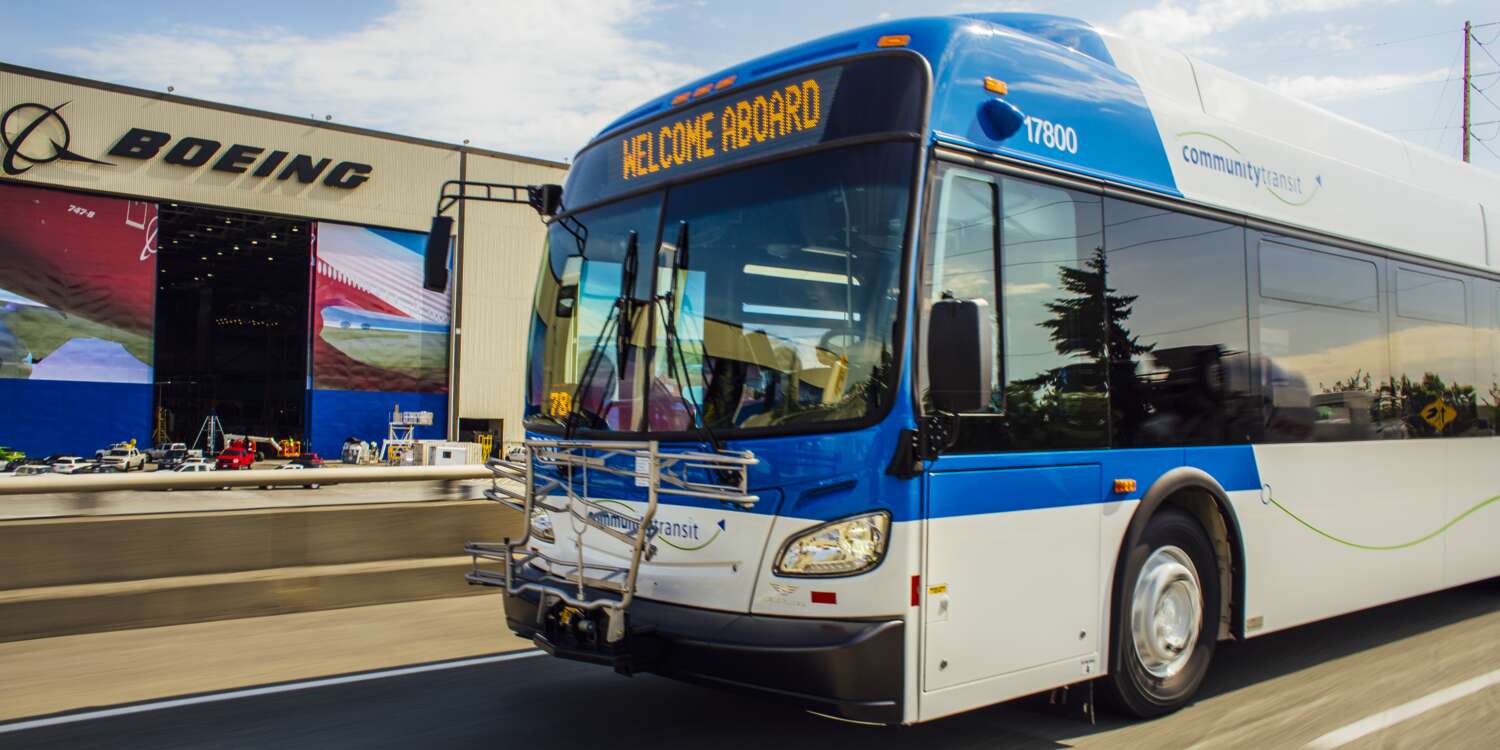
(1439, 414)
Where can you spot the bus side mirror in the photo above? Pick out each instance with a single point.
(547, 199)
(960, 355)
(435, 257)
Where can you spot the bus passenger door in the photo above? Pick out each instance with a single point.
(1012, 601)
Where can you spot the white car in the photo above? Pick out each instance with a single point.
(125, 459)
(112, 446)
(194, 466)
(32, 470)
(291, 467)
(162, 449)
(69, 464)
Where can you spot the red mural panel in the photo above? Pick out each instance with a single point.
(77, 286)
(374, 328)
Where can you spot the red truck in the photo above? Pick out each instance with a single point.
(235, 458)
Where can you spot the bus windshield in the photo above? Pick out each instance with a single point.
(784, 307)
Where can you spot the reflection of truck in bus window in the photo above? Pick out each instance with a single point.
(1354, 415)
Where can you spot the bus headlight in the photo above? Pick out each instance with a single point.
(541, 525)
(838, 548)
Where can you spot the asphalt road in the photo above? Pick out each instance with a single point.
(1281, 690)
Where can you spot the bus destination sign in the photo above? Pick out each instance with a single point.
(791, 112)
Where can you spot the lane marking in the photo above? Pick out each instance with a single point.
(1393, 716)
(288, 687)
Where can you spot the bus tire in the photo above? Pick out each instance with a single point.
(1167, 621)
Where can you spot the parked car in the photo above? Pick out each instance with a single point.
(235, 458)
(307, 461)
(112, 446)
(163, 449)
(171, 460)
(292, 467)
(11, 455)
(125, 459)
(98, 468)
(69, 464)
(31, 470)
(195, 466)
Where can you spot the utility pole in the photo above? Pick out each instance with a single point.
(1468, 35)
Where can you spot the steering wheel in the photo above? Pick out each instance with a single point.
(837, 343)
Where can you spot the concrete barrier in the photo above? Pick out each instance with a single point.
(75, 575)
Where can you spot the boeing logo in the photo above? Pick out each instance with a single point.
(35, 134)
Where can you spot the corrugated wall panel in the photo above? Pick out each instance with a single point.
(502, 252)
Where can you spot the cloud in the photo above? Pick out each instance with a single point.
(1178, 23)
(1324, 89)
(532, 78)
(991, 6)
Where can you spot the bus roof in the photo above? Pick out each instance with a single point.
(1153, 119)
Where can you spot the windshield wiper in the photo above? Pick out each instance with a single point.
(675, 355)
(619, 318)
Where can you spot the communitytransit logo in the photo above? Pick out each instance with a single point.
(35, 134)
(686, 535)
(1287, 187)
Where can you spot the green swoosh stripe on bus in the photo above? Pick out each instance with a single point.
(1186, 133)
(1302, 202)
(1383, 547)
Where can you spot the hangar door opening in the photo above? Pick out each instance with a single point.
(232, 321)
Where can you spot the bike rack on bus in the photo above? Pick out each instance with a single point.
(554, 477)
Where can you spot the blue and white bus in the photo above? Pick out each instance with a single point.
(950, 360)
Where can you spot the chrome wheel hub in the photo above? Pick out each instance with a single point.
(1166, 611)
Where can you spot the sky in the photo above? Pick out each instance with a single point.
(540, 78)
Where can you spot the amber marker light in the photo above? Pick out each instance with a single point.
(704, 89)
(1124, 486)
(894, 40)
(996, 86)
(725, 83)
(680, 98)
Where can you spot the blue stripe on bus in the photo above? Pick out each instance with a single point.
(825, 477)
(967, 493)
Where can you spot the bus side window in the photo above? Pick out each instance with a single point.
(962, 239)
(1432, 355)
(1489, 381)
(1049, 389)
(1325, 365)
(1179, 351)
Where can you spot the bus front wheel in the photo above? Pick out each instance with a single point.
(1167, 622)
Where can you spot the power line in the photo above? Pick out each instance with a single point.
(1445, 127)
(1487, 148)
(1372, 46)
(1444, 94)
(1486, 49)
(1487, 98)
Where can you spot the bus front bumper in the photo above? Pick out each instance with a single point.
(849, 669)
